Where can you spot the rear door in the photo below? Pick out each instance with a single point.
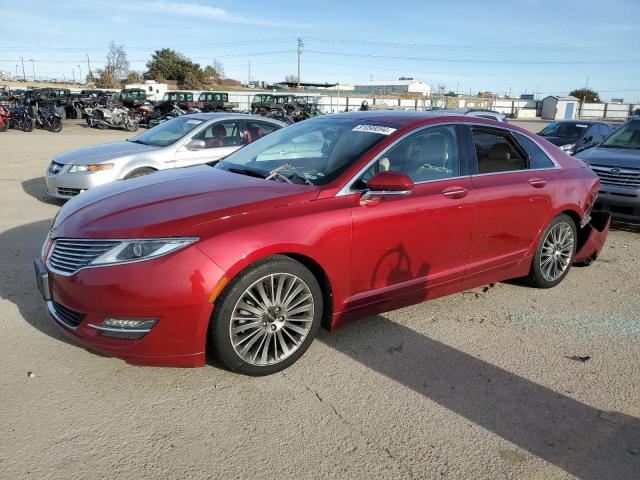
(515, 182)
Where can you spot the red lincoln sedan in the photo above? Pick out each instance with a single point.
(319, 223)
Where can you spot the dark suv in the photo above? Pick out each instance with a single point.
(573, 136)
(617, 163)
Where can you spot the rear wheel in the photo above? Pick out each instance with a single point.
(26, 125)
(55, 125)
(554, 255)
(267, 317)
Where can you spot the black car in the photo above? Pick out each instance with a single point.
(573, 136)
(617, 162)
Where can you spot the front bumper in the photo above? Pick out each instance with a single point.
(66, 185)
(174, 289)
(622, 203)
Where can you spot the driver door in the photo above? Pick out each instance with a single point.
(220, 139)
(405, 245)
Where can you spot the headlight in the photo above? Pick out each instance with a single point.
(91, 168)
(568, 148)
(137, 250)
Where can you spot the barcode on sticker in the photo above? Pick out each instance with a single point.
(374, 129)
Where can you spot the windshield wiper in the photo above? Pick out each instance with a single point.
(277, 172)
(136, 141)
(619, 146)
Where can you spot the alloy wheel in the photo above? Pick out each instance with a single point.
(271, 319)
(557, 250)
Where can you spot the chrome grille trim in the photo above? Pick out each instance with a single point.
(621, 177)
(70, 255)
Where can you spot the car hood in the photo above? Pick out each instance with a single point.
(559, 141)
(101, 153)
(611, 157)
(170, 202)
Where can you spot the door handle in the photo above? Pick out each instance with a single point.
(454, 192)
(537, 182)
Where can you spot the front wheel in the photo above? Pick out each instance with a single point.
(26, 125)
(131, 126)
(55, 125)
(267, 317)
(4, 126)
(554, 254)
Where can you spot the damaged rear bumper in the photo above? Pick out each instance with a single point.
(591, 238)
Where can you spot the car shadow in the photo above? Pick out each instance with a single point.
(625, 226)
(37, 188)
(582, 440)
(20, 246)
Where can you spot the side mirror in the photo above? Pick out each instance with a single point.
(195, 145)
(386, 183)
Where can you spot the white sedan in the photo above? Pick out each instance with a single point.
(181, 142)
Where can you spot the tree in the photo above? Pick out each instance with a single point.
(117, 64)
(106, 79)
(90, 78)
(586, 94)
(134, 77)
(290, 78)
(167, 64)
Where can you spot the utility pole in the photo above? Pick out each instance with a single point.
(33, 67)
(16, 70)
(299, 50)
(74, 74)
(80, 72)
(88, 66)
(249, 79)
(24, 77)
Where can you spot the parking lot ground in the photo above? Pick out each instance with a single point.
(499, 382)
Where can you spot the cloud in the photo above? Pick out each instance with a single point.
(199, 11)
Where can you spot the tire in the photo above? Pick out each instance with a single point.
(26, 125)
(270, 340)
(55, 125)
(554, 254)
(131, 126)
(138, 172)
(4, 126)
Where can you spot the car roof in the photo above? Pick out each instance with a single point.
(586, 122)
(205, 117)
(402, 118)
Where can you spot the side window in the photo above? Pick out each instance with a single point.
(496, 152)
(429, 155)
(537, 157)
(226, 134)
(256, 130)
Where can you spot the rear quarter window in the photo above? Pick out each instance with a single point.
(537, 157)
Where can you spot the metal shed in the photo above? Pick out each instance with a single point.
(559, 108)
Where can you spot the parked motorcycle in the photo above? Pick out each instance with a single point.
(5, 118)
(22, 118)
(118, 117)
(49, 117)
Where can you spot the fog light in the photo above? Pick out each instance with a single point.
(130, 328)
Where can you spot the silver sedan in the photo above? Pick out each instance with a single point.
(180, 142)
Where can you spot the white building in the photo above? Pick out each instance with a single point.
(559, 108)
(382, 87)
(154, 91)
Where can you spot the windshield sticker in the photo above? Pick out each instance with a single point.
(374, 129)
(194, 122)
(581, 126)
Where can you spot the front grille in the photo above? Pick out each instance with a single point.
(620, 177)
(55, 168)
(70, 192)
(69, 254)
(69, 317)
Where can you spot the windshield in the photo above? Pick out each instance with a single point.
(627, 136)
(319, 150)
(168, 132)
(564, 130)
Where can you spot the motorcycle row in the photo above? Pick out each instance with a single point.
(45, 108)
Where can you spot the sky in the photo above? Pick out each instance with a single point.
(503, 46)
